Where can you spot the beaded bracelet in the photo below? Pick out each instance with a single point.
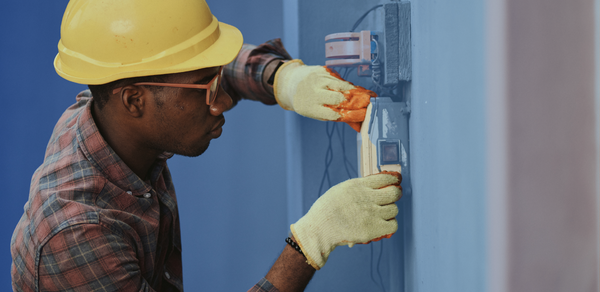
(294, 245)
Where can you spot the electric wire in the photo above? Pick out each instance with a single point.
(350, 171)
(371, 262)
(360, 19)
(376, 65)
(379, 264)
(329, 151)
(380, 282)
(376, 73)
(346, 72)
(328, 157)
(347, 164)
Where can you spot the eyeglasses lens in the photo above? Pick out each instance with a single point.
(214, 87)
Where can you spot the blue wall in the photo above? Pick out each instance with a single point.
(448, 147)
(33, 98)
(232, 198)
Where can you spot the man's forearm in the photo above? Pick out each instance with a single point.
(290, 272)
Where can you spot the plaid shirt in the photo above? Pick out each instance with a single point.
(91, 224)
(243, 76)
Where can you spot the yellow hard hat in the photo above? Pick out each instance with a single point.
(104, 41)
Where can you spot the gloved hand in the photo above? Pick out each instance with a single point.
(318, 92)
(359, 210)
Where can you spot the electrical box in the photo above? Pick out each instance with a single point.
(385, 57)
(387, 52)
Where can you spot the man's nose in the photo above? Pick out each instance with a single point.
(222, 103)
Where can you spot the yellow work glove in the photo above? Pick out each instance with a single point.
(359, 210)
(318, 92)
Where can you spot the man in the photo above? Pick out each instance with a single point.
(102, 212)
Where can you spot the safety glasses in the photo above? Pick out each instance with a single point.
(212, 87)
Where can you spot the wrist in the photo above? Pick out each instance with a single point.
(315, 257)
(268, 75)
(290, 272)
(285, 84)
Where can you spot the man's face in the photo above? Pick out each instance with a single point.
(180, 121)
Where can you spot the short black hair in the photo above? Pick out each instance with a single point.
(101, 92)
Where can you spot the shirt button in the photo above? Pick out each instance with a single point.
(147, 195)
(167, 275)
(129, 192)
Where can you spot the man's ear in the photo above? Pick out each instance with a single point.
(134, 98)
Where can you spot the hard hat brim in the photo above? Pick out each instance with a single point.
(220, 53)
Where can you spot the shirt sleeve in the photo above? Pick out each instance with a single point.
(242, 78)
(263, 286)
(88, 257)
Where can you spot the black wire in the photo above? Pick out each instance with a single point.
(346, 72)
(363, 16)
(378, 263)
(372, 278)
(345, 76)
(380, 282)
(328, 156)
(347, 163)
